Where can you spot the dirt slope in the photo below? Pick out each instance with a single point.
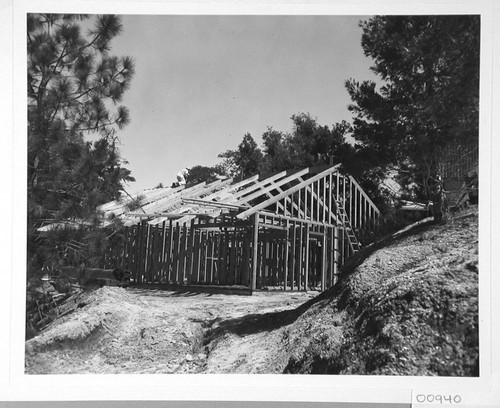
(411, 307)
(407, 306)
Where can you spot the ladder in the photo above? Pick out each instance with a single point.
(346, 223)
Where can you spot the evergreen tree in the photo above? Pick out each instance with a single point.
(74, 87)
(243, 162)
(429, 100)
(199, 174)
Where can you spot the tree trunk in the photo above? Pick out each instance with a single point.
(440, 209)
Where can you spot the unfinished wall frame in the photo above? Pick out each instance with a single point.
(291, 231)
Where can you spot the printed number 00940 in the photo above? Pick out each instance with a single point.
(438, 398)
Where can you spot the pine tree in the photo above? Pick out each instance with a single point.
(429, 98)
(74, 88)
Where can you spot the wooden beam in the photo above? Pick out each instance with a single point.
(274, 184)
(192, 194)
(324, 259)
(293, 261)
(287, 238)
(209, 203)
(284, 217)
(288, 192)
(362, 192)
(306, 269)
(325, 208)
(251, 189)
(255, 251)
(166, 215)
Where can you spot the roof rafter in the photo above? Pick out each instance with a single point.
(288, 192)
(273, 186)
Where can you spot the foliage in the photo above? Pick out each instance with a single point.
(244, 161)
(308, 144)
(200, 174)
(135, 203)
(428, 101)
(74, 86)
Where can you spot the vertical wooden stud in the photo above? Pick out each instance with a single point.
(255, 243)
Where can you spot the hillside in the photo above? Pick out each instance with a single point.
(407, 305)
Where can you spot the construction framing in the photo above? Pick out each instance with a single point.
(290, 231)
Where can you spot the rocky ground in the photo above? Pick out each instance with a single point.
(407, 305)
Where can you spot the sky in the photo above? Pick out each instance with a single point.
(203, 82)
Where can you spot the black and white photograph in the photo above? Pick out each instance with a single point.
(255, 194)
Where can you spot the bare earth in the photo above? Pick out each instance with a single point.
(117, 330)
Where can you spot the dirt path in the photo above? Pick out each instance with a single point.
(116, 330)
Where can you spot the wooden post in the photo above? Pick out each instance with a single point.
(153, 269)
(184, 252)
(199, 251)
(301, 257)
(350, 202)
(140, 252)
(317, 201)
(331, 255)
(245, 275)
(355, 224)
(324, 259)
(306, 269)
(208, 256)
(233, 259)
(223, 247)
(287, 236)
(293, 255)
(335, 254)
(168, 259)
(191, 252)
(163, 249)
(177, 252)
(255, 243)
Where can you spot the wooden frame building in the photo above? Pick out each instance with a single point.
(290, 231)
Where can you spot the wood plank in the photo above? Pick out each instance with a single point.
(163, 250)
(199, 241)
(337, 185)
(170, 250)
(273, 185)
(206, 248)
(140, 252)
(191, 253)
(307, 266)
(183, 254)
(332, 216)
(212, 271)
(245, 272)
(350, 200)
(255, 243)
(293, 259)
(153, 253)
(176, 253)
(364, 194)
(300, 248)
(288, 192)
(287, 254)
(336, 244)
(356, 220)
(223, 250)
(324, 260)
(208, 203)
(233, 258)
